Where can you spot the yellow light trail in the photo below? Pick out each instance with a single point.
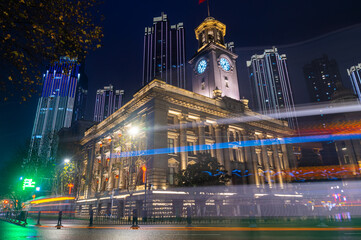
(56, 199)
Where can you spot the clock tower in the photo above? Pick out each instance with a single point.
(214, 66)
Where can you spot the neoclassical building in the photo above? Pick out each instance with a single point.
(163, 128)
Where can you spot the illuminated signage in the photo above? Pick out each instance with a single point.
(28, 183)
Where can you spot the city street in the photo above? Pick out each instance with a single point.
(11, 231)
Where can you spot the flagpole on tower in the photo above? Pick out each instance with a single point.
(209, 14)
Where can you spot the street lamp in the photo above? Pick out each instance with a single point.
(133, 131)
(66, 160)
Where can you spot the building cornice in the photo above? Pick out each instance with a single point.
(185, 99)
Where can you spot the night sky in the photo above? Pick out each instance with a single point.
(251, 25)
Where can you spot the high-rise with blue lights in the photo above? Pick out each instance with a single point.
(81, 96)
(323, 78)
(271, 87)
(107, 101)
(164, 53)
(354, 74)
(55, 106)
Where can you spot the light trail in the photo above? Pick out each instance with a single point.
(300, 111)
(55, 199)
(249, 143)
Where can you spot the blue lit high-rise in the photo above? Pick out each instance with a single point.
(164, 52)
(354, 74)
(55, 106)
(271, 86)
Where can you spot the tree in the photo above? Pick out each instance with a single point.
(309, 159)
(67, 176)
(206, 172)
(36, 33)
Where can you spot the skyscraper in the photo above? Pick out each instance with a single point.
(164, 52)
(323, 77)
(55, 106)
(107, 101)
(81, 96)
(271, 87)
(354, 74)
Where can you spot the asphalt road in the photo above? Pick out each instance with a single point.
(13, 232)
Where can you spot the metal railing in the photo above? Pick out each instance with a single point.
(17, 217)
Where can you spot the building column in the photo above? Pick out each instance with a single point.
(183, 141)
(277, 165)
(201, 133)
(285, 160)
(266, 162)
(251, 159)
(110, 173)
(89, 171)
(271, 164)
(219, 152)
(259, 164)
(226, 155)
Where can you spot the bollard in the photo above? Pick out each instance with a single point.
(145, 216)
(189, 217)
(135, 220)
(38, 223)
(91, 218)
(26, 218)
(58, 226)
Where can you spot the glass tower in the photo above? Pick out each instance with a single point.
(354, 74)
(164, 52)
(55, 106)
(107, 101)
(271, 87)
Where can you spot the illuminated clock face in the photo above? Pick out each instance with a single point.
(202, 65)
(225, 64)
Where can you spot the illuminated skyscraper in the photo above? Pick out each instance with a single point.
(107, 101)
(323, 78)
(81, 96)
(271, 87)
(354, 74)
(55, 107)
(164, 52)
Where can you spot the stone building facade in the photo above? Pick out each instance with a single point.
(163, 128)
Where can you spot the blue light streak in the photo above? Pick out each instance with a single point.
(249, 143)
